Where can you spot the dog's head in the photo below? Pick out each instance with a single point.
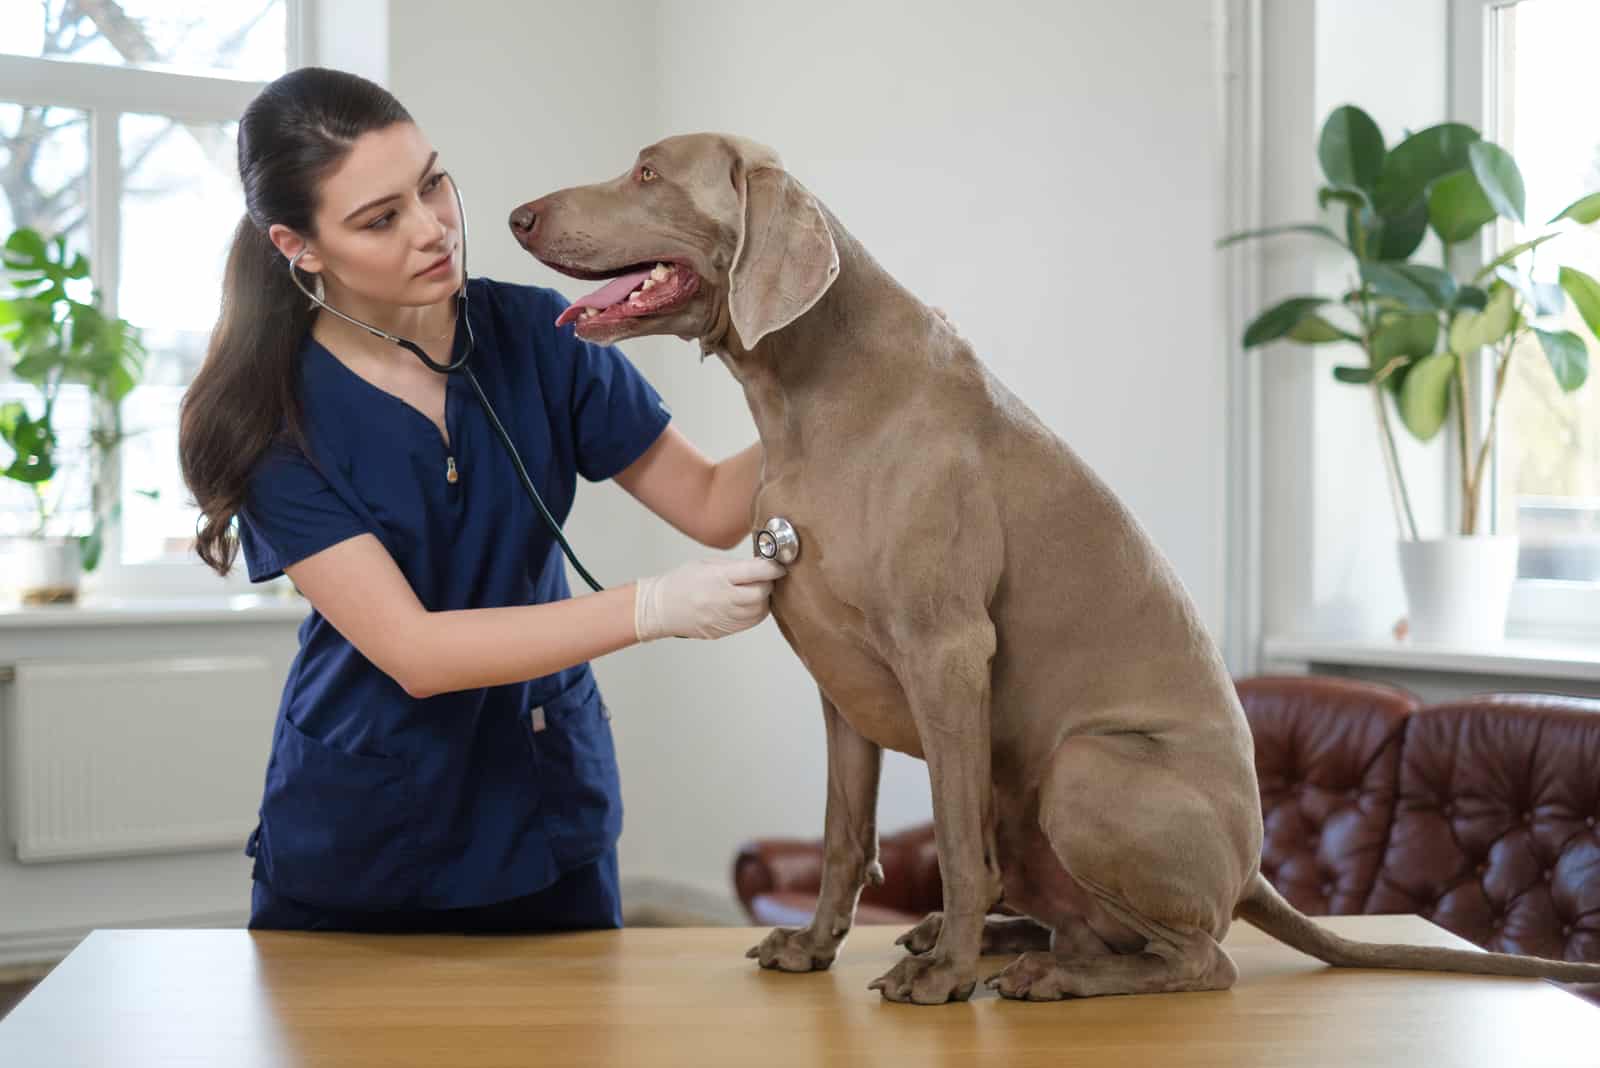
(703, 229)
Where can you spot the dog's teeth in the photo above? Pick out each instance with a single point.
(634, 299)
(649, 284)
(659, 274)
(589, 313)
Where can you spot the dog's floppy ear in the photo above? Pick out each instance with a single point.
(785, 260)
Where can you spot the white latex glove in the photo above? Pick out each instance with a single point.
(705, 599)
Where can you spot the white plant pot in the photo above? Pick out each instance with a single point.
(1458, 589)
(46, 570)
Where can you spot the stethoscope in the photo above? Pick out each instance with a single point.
(777, 541)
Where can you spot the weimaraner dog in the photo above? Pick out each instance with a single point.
(967, 592)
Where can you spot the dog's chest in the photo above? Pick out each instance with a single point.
(817, 607)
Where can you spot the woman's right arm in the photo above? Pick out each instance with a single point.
(357, 587)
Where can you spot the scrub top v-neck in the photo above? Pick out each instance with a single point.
(453, 385)
(375, 799)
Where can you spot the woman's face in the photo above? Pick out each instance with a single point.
(387, 225)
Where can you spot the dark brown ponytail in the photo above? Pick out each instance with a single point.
(246, 394)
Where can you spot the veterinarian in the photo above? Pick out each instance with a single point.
(442, 759)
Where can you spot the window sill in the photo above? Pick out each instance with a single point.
(1543, 658)
(99, 610)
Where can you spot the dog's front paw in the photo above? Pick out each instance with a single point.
(795, 949)
(931, 980)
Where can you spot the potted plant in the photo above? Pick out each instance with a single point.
(56, 340)
(1422, 326)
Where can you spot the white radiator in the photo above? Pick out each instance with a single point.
(108, 758)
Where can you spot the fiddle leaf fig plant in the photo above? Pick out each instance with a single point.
(1418, 325)
(56, 340)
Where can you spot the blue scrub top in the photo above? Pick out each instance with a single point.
(375, 799)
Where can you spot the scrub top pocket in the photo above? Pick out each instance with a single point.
(576, 766)
(337, 825)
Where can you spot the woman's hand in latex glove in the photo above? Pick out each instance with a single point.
(705, 599)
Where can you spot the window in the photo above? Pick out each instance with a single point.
(1533, 97)
(117, 130)
(246, 38)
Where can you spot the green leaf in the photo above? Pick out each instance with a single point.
(1470, 297)
(33, 437)
(1500, 178)
(1548, 299)
(1351, 148)
(1544, 298)
(1425, 395)
(1457, 207)
(1404, 334)
(1415, 163)
(25, 250)
(1585, 210)
(1585, 293)
(1568, 356)
(1314, 229)
(35, 367)
(1510, 254)
(1399, 235)
(1279, 319)
(1374, 236)
(1412, 284)
(119, 383)
(31, 440)
(1401, 339)
(31, 469)
(1348, 195)
(1471, 330)
(1358, 376)
(10, 413)
(89, 548)
(1313, 329)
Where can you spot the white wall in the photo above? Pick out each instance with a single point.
(1044, 172)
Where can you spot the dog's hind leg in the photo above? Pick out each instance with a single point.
(1159, 856)
(1001, 934)
(1181, 961)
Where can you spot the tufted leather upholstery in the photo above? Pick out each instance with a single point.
(1495, 830)
(1482, 815)
(1327, 757)
(777, 879)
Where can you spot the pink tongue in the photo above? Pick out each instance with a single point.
(604, 297)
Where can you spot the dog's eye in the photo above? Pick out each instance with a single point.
(647, 175)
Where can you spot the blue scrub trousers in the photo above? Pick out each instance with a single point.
(586, 898)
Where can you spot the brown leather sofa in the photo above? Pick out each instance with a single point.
(1480, 815)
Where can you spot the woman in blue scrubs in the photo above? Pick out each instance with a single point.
(442, 759)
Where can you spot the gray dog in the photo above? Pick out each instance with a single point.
(970, 593)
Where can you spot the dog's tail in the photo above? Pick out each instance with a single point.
(1265, 908)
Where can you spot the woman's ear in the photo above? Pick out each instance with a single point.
(290, 244)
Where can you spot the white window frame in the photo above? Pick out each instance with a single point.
(105, 93)
(1537, 606)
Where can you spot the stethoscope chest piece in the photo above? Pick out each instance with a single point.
(778, 540)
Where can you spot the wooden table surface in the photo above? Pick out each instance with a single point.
(688, 997)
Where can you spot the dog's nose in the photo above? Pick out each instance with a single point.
(522, 220)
